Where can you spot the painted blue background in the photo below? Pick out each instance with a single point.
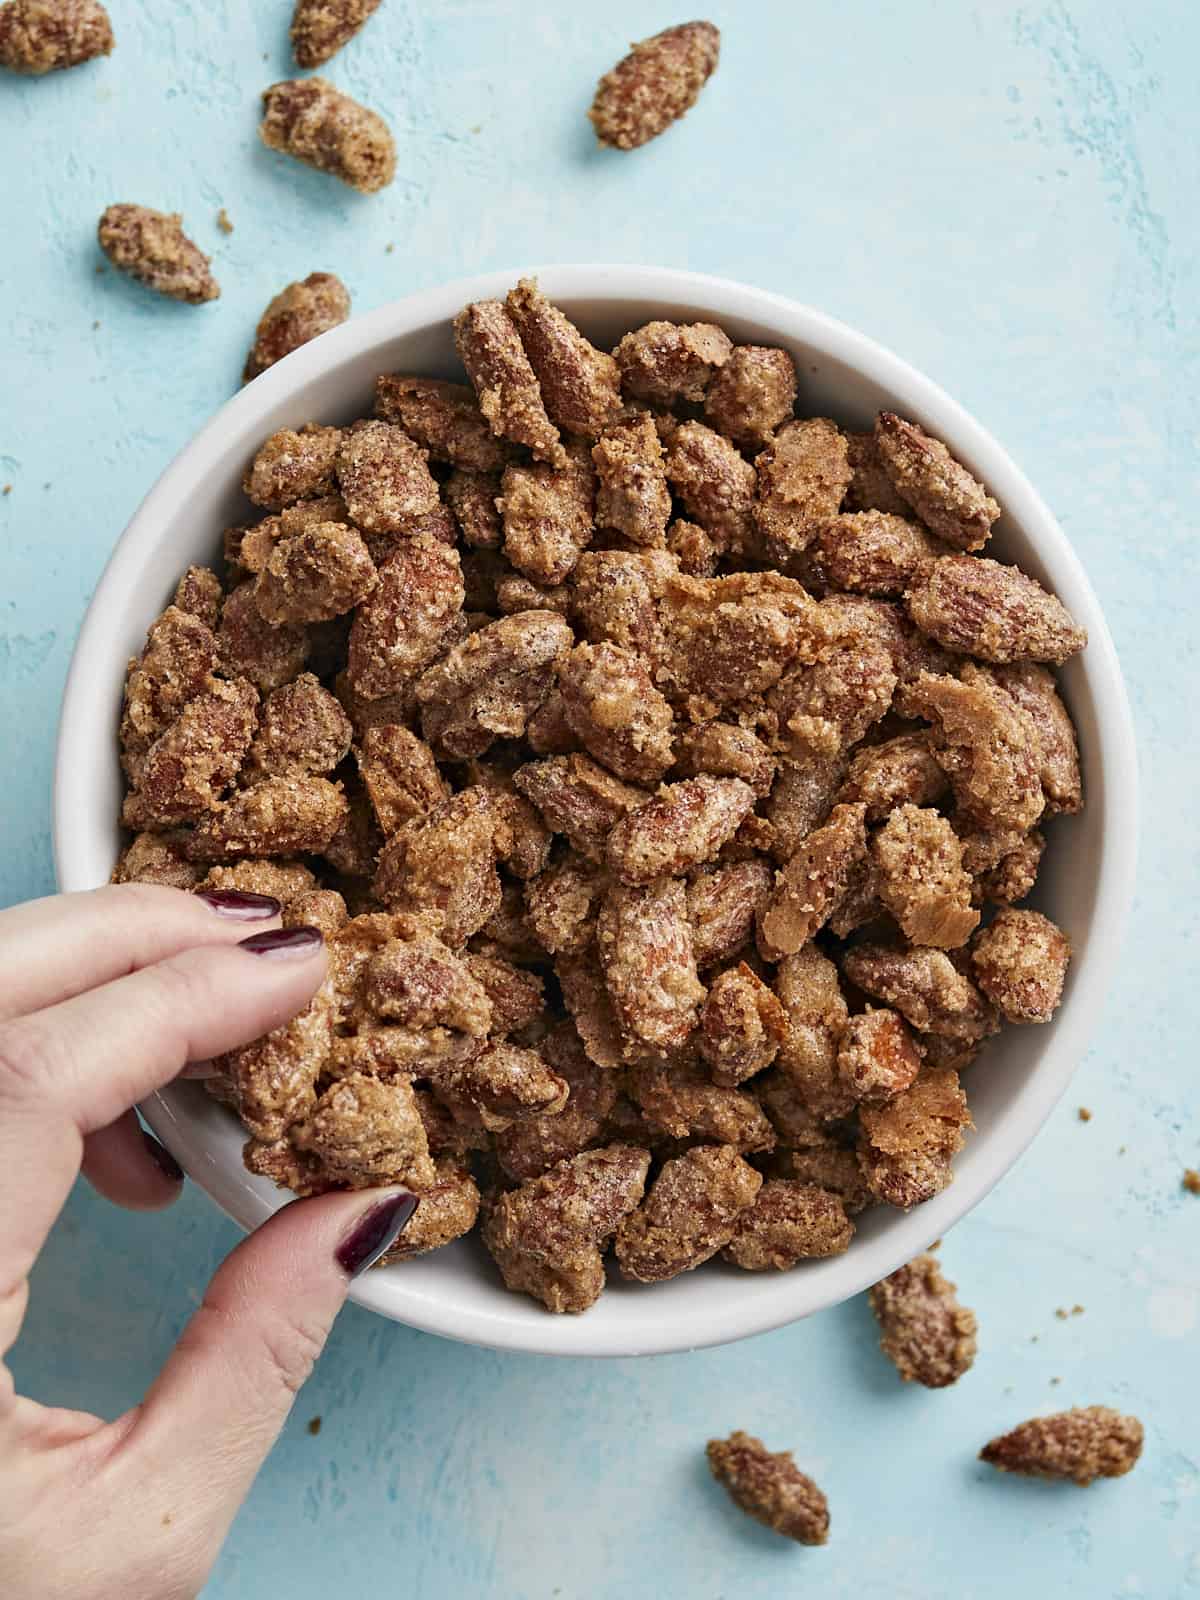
(1007, 196)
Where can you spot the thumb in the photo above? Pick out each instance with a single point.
(216, 1408)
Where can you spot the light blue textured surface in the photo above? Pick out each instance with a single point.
(1008, 197)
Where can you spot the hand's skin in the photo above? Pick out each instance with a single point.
(104, 997)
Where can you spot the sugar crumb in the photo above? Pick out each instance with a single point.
(314, 1426)
(223, 221)
(1191, 1178)
(95, 325)
(390, 250)
(1076, 1311)
(1062, 1313)
(1084, 1114)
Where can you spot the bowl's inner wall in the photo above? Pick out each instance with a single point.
(208, 1139)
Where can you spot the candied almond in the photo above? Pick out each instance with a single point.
(580, 384)
(547, 514)
(801, 799)
(870, 488)
(900, 771)
(199, 594)
(400, 776)
(920, 878)
(725, 750)
(302, 726)
(301, 311)
(829, 1166)
(872, 553)
(152, 247)
(940, 489)
(735, 636)
(176, 661)
(714, 483)
(644, 941)
(825, 708)
(39, 36)
(487, 687)
(546, 1236)
(988, 747)
(1014, 875)
(1020, 962)
(516, 996)
(690, 1212)
(448, 1209)
(742, 1025)
(294, 813)
(924, 1332)
(654, 85)
(444, 863)
(310, 120)
(365, 1132)
(697, 554)
(802, 477)
(665, 362)
(563, 901)
(404, 622)
(682, 1102)
(809, 887)
(815, 1019)
(253, 648)
(273, 1080)
(907, 1144)
(384, 477)
(877, 1056)
(613, 598)
(535, 1144)
(995, 612)
(722, 903)
(751, 394)
(682, 826)
(419, 983)
(190, 765)
(510, 397)
(471, 496)
(587, 1001)
(157, 858)
(1083, 1444)
(1035, 691)
(321, 27)
(578, 798)
(443, 418)
(789, 1222)
(618, 715)
(770, 1488)
(631, 482)
(315, 576)
(294, 464)
(504, 1082)
(924, 986)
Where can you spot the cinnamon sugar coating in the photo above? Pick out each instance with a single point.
(251, 647)
(316, 575)
(682, 1102)
(751, 395)
(872, 553)
(157, 858)
(191, 764)
(907, 1144)
(614, 598)
(179, 655)
(578, 798)
(580, 384)
(300, 726)
(40, 36)
(300, 312)
(510, 397)
(988, 747)
(533, 1145)
(616, 712)
(1020, 962)
(924, 986)
(940, 490)
(924, 1332)
(546, 1237)
(722, 904)
(714, 484)
(878, 1057)
(384, 478)
(1081, 1445)
(870, 488)
(448, 1209)
(489, 686)
(742, 1025)
(920, 878)
(200, 595)
(654, 85)
(547, 514)
(321, 27)
(294, 464)
(644, 940)
(770, 1488)
(445, 864)
(443, 418)
(900, 771)
(364, 1132)
(632, 496)
(801, 480)
(310, 120)
(406, 620)
(725, 750)
(400, 775)
(734, 637)
(152, 247)
(663, 363)
(995, 612)
(811, 884)
(789, 1222)
(471, 496)
(294, 813)
(815, 1020)
(690, 1212)
(683, 826)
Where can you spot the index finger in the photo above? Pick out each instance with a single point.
(53, 949)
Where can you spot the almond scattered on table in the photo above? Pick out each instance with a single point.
(1082, 1445)
(152, 247)
(654, 85)
(770, 1488)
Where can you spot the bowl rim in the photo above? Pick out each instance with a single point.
(722, 298)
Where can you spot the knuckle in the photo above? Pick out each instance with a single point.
(29, 1060)
(291, 1344)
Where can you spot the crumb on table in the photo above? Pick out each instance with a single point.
(1084, 1114)
(1191, 1178)
(223, 221)
(314, 1426)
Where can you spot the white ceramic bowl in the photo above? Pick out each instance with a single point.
(1086, 885)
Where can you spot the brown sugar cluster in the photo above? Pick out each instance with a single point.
(663, 768)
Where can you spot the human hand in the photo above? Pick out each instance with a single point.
(105, 997)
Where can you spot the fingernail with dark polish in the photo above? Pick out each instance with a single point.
(283, 943)
(375, 1233)
(239, 905)
(162, 1158)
